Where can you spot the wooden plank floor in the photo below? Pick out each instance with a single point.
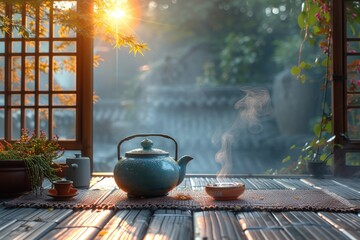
(31, 223)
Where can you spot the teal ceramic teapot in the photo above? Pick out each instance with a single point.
(147, 171)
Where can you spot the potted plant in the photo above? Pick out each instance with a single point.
(26, 162)
(314, 156)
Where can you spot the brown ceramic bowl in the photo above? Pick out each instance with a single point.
(225, 191)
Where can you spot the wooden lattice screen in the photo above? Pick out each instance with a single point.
(46, 79)
(346, 86)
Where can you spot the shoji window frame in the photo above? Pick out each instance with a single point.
(83, 139)
(340, 91)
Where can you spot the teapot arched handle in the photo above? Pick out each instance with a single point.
(147, 135)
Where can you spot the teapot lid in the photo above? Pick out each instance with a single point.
(146, 150)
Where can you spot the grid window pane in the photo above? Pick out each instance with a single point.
(44, 22)
(2, 100)
(2, 12)
(30, 99)
(30, 18)
(353, 74)
(64, 124)
(2, 46)
(61, 31)
(352, 27)
(44, 47)
(43, 99)
(353, 47)
(30, 118)
(353, 100)
(15, 73)
(64, 46)
(2, 123)
(30, 46)
(44, 120)
(15, 123)
(30, 73)
(16, 19)
(353, 159)
(44, 73)
(16, 47)
(64, 99)
(2, 73)
(64, 72)
(354, 124)
(15, 100)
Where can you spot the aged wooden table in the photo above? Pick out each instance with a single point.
(179, 223)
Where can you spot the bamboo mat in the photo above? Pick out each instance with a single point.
(281, 200)
(271, 200)
(85, 199)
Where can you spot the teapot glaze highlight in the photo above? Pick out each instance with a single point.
(147, 171)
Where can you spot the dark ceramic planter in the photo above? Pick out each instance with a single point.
(317, 169)
(13, 178)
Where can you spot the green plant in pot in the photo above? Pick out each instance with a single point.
(315, 155)
(25, 163)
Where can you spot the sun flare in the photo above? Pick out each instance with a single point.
(121, 15)
(117, 13)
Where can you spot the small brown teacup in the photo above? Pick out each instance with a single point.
(62, 186)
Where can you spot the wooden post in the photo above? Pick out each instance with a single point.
(85, 77)
(338, 83)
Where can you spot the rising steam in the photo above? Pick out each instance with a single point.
(254, 105)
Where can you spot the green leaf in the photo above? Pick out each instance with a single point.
(316, 30)
(328, 17)
(323, 157)
(293, 147)
(295, 70)
(311, 41)
(305, 65)
(324, 62)
(303, 78)
(302, 64)
(314, 9)
(328, 127)
(352, 29)
(286, 159)
(317, 129)
(302, 20)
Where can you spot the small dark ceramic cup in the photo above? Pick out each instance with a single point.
(62, 186)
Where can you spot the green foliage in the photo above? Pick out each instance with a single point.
(307, 17)
(38, 153)
(314, 22)
(239, 54)
(319, 148)
(243, 36)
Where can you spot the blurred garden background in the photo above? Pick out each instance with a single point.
(217, 78)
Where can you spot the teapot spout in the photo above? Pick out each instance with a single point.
(183, 161)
